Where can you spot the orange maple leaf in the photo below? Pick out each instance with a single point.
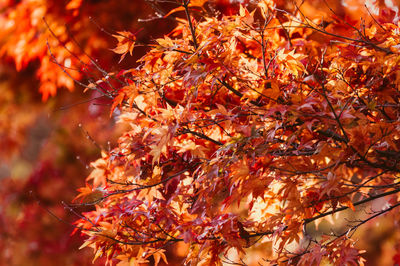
(126, 43)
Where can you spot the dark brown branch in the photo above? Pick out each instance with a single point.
(236, 92)
(323, 31)
(331, 134)
(185, 4)
(263, 48)
(309, 220)
(373, 18)
(201, 135)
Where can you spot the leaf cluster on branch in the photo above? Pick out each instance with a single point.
(244, 130)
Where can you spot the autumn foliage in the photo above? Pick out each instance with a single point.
(246, 130)
(261, 133)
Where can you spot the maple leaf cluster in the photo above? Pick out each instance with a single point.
(246, 130)
(62, 40)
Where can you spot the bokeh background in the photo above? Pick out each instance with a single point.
(50, 130)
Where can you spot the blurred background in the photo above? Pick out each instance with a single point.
(50, 130)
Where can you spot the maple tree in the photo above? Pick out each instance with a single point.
(246, 130)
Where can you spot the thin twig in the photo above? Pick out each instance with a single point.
(185, 5)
